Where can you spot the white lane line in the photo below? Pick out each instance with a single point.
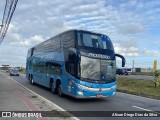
(40, 96)
(141, 108)
(145, 109)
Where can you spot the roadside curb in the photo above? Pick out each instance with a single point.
(47, 101)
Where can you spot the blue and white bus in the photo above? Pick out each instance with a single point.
(78, 63)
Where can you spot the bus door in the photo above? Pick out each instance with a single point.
(71, 69)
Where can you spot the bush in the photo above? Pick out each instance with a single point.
(157, 78)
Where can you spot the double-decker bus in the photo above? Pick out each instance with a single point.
(78, 63)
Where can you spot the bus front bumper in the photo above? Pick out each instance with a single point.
(87, 92)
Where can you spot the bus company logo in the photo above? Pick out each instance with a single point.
(48, 57)
(6, 114)
(98, 56)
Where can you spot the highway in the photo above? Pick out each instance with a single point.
(137, 77)
(120, 102)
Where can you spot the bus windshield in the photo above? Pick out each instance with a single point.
(96, 69)
(96, 41)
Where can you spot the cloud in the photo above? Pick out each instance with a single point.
(13, 38)
(133, 28)
(129, 51)
(150, 53)
(125, 22)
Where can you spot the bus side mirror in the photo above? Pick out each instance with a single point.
(123, 59)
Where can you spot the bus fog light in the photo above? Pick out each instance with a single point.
(80, 93)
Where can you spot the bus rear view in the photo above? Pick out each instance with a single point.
(88, 65)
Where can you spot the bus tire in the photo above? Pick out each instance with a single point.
(52, 87)
(31, 80)
(60, 93)
(28, 78)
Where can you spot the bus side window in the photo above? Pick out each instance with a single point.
(58, 69)
(71, 68)
(47, 64)
(55, 68)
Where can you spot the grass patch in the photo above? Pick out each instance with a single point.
(139, 87)
(33, 96)
(143, 73)
(22, 71)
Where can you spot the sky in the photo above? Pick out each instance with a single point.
(132, 25)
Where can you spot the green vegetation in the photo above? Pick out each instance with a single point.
(22, 71)
(33, 96)
(139, 87)
(157, 78)
(143, 73)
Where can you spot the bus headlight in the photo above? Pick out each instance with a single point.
(79, 93)
(82, 86)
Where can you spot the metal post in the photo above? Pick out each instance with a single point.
(133, 66)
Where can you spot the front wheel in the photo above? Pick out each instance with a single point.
(60, 93)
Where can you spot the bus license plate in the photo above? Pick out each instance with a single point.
(99, 96)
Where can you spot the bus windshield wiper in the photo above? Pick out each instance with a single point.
(88, 79)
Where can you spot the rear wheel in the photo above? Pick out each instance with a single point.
(52, 87)
(31, 81)
(60, 93)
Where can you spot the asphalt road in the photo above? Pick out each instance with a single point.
(137, 77)
(120, 102)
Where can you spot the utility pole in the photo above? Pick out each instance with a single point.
(133, 66)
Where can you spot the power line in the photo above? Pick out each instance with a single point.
(10, 7)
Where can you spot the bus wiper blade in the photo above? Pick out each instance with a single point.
(88, 79)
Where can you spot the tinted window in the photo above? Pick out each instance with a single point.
(50, 45)
(96, 41)
(53, 68)
(68, 40)
(38, 65)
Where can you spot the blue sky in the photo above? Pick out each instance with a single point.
(132, 25)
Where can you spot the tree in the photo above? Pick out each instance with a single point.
(157, 78)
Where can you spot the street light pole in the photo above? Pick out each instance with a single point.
(133, 66)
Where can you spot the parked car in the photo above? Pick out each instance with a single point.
(121, 72)
(14, 73)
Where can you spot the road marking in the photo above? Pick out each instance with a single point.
(145, 109)
(50, 103)
(141, 108)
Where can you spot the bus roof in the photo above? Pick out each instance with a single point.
(86, 31)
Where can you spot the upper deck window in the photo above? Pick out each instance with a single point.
(95, 41)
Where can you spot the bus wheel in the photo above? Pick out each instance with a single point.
(32, 81)
(60, 93)
(53, 89)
